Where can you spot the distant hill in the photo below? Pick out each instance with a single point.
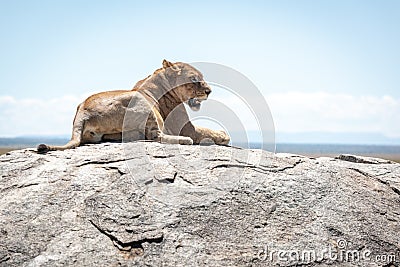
(31, 141)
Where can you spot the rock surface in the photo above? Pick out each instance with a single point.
(148, 204)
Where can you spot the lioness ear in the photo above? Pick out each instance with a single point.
(166, 64)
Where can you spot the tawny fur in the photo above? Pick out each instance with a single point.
(152, 110)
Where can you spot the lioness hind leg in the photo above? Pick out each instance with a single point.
(112, 137)
(126, 136)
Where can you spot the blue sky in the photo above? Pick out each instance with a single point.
(342, 54)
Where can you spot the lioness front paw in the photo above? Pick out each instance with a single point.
(185, 140)
(222, 138)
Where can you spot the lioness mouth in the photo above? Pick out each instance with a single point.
(194, 103)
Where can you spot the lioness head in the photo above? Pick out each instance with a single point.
(187, 82)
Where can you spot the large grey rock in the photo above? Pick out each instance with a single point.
(148, 204)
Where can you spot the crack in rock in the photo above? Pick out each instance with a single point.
(130, 249)
(169, 180)
(102, 162)
(360, 172)
(185, 180)
(220, 159)
(163, 156)
(394, 189)
(17, 186)
(5, 258)
(257, 168)
(287, 167)
(121, 172)
(226, 165)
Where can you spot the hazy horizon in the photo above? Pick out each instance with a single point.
(282, 138)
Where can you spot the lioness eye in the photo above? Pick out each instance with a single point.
(194, 79)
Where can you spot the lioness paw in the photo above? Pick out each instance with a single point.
(186, 141)
(223, 138)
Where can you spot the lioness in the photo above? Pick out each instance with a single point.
(152, 110)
